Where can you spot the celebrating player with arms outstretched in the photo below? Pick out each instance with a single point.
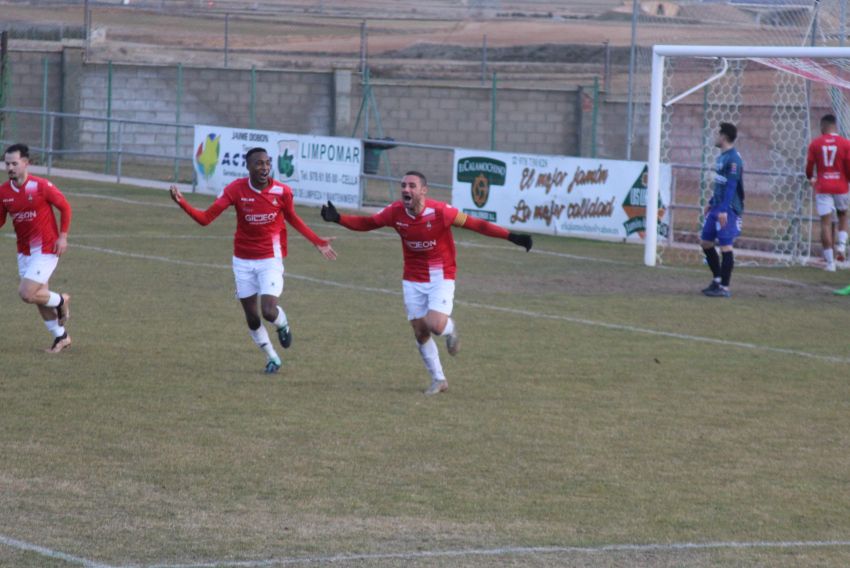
(259, 245)
(831, 154)
(429, 262)
(29, 201)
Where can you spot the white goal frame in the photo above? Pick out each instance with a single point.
(659, 54)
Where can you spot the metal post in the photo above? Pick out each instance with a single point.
(4, 83)
(108, 117)
(493, 103)
(226, 36)
(363, 39)
(177, 120)
(50, 144)
(654, 169)
(44, 107)
(253, 96)
(595, 117)
(120, 152)
(484, 59)
(87, 26)
(630, 104)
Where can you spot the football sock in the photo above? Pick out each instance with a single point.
(54, 328)
(827, 256)
(842, 239)
(450, 327)
(726, 268)
(281, 320)
(261, 338)
(54, 302)
(713, 260)
(431, 358)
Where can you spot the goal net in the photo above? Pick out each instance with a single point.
(776, 97)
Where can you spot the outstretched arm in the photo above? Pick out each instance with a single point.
(486, 228)
(353, 222)
(57, 200)
(324, 245)
(201, 217)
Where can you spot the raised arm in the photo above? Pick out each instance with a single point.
(201, 217)
(353, 222)
(324, 245)
(57, 200)
(488, 229)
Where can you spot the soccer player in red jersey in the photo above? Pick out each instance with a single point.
(29, 201)
(259, 246)
(425, 227)
(830, 153)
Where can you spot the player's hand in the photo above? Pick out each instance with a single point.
(61, 245)
(175, 194)
(722, 218)
(329, 213)
(327, 250)
(521, 240)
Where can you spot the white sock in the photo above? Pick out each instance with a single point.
(281, 320)
(431, 358)
(827, 256)
(54, 328)
(261, 338)
(842, 239)
(717, 279)
(53, 301)
(450, 327)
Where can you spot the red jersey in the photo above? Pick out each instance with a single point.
(426, 240)
(260, 214)
(31, 209)
(831, 154)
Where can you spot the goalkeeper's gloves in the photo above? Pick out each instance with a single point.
(329, 213)
(521, 240)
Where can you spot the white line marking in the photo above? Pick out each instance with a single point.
(513, 311)
(49, 552)
(464, 243)
(511, 551)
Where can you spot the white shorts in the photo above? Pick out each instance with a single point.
(263, 276)
(828, 203)
(420, 297)
(37, 267)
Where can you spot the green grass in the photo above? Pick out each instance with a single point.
(157, 439)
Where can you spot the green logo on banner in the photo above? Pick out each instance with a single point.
(284, 164)
(635, 207)
(481, 173)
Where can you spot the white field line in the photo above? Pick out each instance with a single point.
(511, 551)
(389, 234)
(49, 552)
(526, 313)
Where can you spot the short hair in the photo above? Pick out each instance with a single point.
(828, 119)
(253, 151)
(421, 176)
(23, 149)
(729, 130)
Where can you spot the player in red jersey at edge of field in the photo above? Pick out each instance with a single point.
(830, 154)
(428, 283)
(259, 246)
(29, 201)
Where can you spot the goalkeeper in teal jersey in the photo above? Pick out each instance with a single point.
(723, 214)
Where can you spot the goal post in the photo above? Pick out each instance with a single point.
(798, 68)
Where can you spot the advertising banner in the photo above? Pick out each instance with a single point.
(317, 168)
(559, 195)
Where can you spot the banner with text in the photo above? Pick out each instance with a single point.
(558, 194)
(317, 168)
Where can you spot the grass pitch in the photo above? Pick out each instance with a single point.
(590, 406)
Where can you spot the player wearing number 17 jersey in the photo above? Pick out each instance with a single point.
(259, 246)
(425, 228)
(830, 154)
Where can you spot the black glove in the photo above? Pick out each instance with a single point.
(329, 213)
(515, 238)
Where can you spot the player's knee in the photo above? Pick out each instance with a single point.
(270, 313)
(28, 295)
